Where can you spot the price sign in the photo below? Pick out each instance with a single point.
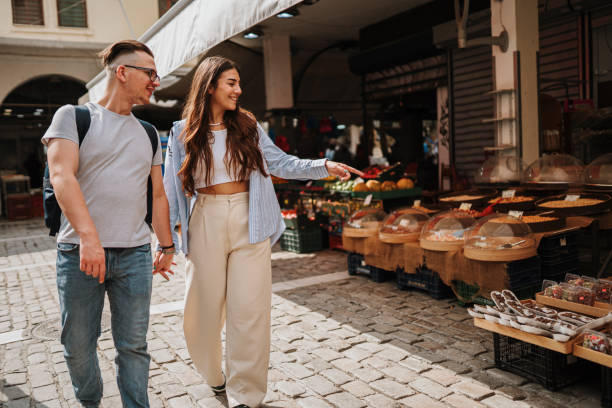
(417, 203)
(516, 214)
(367, 200)
(465, 206)
(572, 197)
(508, 193)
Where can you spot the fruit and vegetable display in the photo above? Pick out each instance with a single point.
(531, 317)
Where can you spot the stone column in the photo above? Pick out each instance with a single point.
(516, 69)
(277, 72)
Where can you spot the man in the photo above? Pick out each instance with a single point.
(104, 243)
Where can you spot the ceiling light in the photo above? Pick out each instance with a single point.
(341, 127)
(20, 116)
(252, 34)
(290, 13)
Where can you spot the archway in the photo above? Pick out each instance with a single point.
(25, 115)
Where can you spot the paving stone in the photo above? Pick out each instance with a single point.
(290, 388)
(200, 391)
(512, 392)
(415, 365)
(313, 402)
(46, 393)
(317, 365)
(209, 403)
(392, 353)
(456, 367)
(442, 376)
(162, 356)
(498, 401)
(358, 388)
(376, 362)
(380, 401)
(14, 379)
(345, 400)
(327, 354)
(367, 374)
(346, 364)
(473, 390)
(296, 370)
(506, 377)
(431, 388)
(391, 388)
(461, 401)
(423, 401)
(336, 376)
(180, 402)
(320, 385)
(357, 354)
(400, 373)
(289, 335)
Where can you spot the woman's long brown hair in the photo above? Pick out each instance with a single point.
(243, 154)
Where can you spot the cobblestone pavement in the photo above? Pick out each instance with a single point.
(337, 341)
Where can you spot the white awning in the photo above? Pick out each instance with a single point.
(191, 27)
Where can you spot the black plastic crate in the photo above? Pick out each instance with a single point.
(357, 265)
(606, 387)
(524, 272)
(424, 279)
(549, 368)
(557, 272)
(301, 240)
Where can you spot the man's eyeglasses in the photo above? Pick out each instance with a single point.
(150, 71)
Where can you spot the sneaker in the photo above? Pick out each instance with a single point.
(241, 406)
(219, 389)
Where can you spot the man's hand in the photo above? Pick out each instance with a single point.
(340, 170)
(92, 259)
(162, 264)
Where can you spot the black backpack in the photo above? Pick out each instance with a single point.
(53, 212)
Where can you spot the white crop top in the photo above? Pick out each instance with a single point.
(220, 174)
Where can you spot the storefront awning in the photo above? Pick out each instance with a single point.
(191, 27)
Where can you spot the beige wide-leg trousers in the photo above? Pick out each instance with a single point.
(228, 279)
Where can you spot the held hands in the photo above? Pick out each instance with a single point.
(92, 258)
(340, 170)
(163, 263)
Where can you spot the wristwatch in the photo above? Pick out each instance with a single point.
(168, 250)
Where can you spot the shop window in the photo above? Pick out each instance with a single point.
(71, 13)
(28, 12)
(164, 5)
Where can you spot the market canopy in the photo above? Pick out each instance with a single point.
(191, 27)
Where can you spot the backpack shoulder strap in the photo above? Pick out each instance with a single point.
(83, 120)
(152, 133)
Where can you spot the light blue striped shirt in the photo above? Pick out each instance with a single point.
(265, 220)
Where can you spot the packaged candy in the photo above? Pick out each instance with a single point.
(535, 330)
(541, 310)
(499, 300)
(573, 279)
(517, 308)
(561, 337)
(596, 341)
(577, 294)
(552, 289)
(565, 328)
(604, 294)
(474, 313)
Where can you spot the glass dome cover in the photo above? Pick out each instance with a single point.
(500, 169)
(500, 237)
(404, 224)
(365, 221)
(554, 169)
(599, 172)
(446, 230)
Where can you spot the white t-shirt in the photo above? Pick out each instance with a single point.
(220, 174)
(115, 161)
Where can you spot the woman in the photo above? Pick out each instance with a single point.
(217, 180)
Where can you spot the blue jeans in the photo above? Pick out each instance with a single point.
(128, 283)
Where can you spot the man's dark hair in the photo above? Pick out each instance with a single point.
(110, 53)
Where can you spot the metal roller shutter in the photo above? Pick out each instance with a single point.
(472, 79)
(559, 61)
